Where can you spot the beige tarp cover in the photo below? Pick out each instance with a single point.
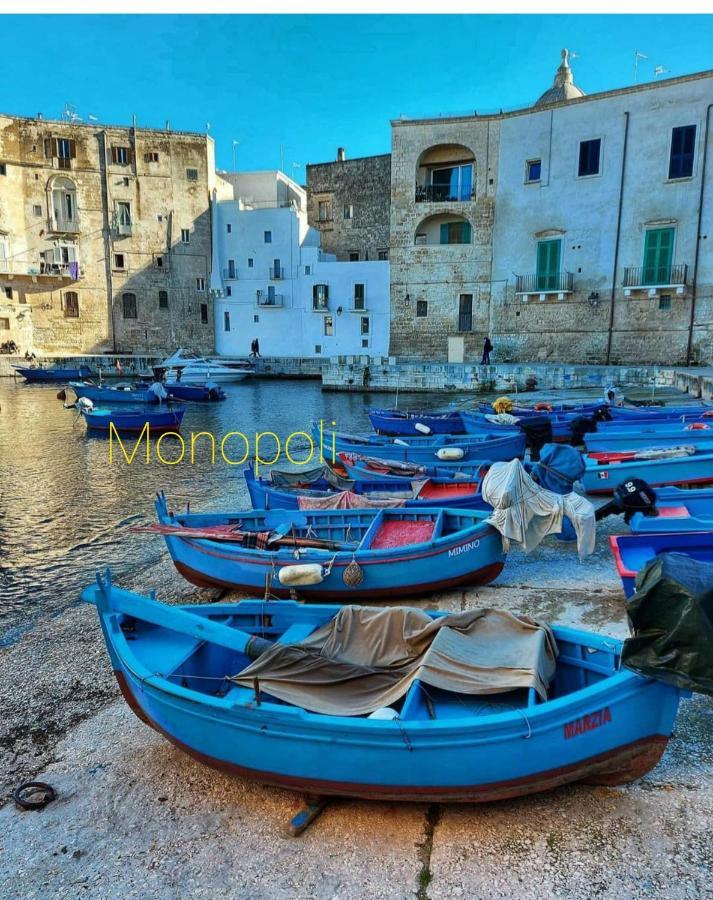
(364, 658)
(525, 512)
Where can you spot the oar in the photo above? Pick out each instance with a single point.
(108, 598)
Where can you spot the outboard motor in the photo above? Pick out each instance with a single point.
(538, 432)
(580, 426)
(602, 414)
(631, 496)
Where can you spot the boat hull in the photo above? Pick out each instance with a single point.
(359, 470)
(133, 422)
(603, 479)
(394, 423)
(112, 395)
(38, 375)
(633, 551)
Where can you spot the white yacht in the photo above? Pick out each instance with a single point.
(188, 368)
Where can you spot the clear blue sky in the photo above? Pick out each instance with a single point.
(312, 83)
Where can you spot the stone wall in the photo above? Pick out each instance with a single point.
(364, 185)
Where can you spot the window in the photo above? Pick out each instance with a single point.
(125, 182)
(365, 342)
(317, 348)
(160, 261)
(226, 320)
(320, 296)
(231, 268)
(204, 314)
(359, 296)
(455, 233)
(328, 326)
(268, 237)
(129, 304)
(549, 257)
(200, 284)
(228, 291)
(353, 256)
(465, 312)
(229, 228)
(119, 261)
(163, 299)
(256, 318)
(421, 309)
(665, 301)
(349, 211)
(589, 157)
(3, 169)
(683, 145)
(365, 324)
(382, 254)
(4, 324)
(64, 151)
(64, 204)
(271, 294)
(123, 217)
(658, 256)
(251, 262)
(71, 305)
(185, 235)
(191, 174)
(121, 156)
(533, 170)
(151, 156)
(276, 270)
(308, 270)
(37, 210)
(324, 211)
(8, 293)
(452, 183)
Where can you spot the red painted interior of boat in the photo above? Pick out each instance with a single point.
(451, 489)
(401, 534)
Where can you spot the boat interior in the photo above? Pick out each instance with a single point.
(206, 668)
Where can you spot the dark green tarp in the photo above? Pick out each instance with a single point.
(671, 615)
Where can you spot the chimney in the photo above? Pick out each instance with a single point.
(341, 154)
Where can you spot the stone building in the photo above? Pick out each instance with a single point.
(348, 202)
(272, 281)
(105, 240)
(574, 230)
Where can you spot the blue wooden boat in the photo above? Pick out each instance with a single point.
(633, 551)
(396, 422)
(425, 450)
(600, 723)
(195, 393)
(53, 373)
(545, 408)
(360, 467)
(476, 423)
(604, 471)
(637, 437)
(677, 510)
(127, 421)
(381, 553)
(444, 492)
(659, 413)
(124, 392)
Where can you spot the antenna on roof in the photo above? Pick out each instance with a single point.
(660, 70)
(637, 56)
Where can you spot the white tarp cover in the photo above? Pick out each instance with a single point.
(365, 659)
(525, 512)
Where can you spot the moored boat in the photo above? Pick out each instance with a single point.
(633, 551)
(195, 393)
(638, 437)
(677, 510)
(127, 421)
(53, 373)
(187, 368)
(666, 466)
(124, 392)
(361, 467)
(207, 677)
(333, 553)
(396, 422)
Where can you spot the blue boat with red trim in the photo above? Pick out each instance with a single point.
(677, 510)
(330, 554)
(633, 551)
(683, 465)
(360, 467)
(207, 677)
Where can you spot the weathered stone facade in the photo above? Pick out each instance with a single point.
(354, 215)
(106, 237)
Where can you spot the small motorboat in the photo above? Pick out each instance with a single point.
(39, 374)
(359, 467)
(265, 691)
(397, 422)
(676, 510)
(128, 421)
(332, 553)
(123, 392)
(658, 467)
(322, 492)
(195, 393)
(185, 367)
(633, 551)
(424, 450)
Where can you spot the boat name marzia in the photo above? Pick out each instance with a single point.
(587, 723)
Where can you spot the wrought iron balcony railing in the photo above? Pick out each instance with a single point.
(556, 283)
(655, 276)
(443, 193)
(270, 301)
(63, 225)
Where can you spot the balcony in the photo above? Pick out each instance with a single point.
(41, 273)
(63, 225)
(641, 278)
(559, 283)
(277, 273)
(443, 193)
(270, 301)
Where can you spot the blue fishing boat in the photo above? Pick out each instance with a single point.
(331, 553)
(127, 421)
(360, 467)
(445, 492)
(633, 551)
(604, 470)
(425, 450)
(195, 393)
(677, 510)
(637, 437)
(476, 423)
(124, 392)
(546, 408)
(206, 677)
(53, 373)
(396, 422)
(660, 413)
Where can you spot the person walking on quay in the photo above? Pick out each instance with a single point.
(366, 377)
(255, 347)
(487, 350)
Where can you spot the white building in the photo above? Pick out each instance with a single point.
(271, 281)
